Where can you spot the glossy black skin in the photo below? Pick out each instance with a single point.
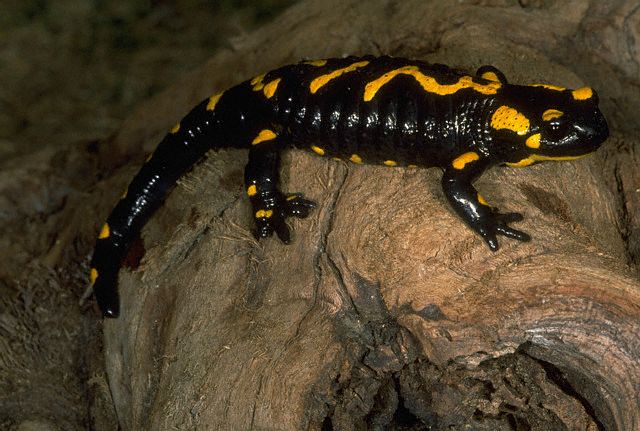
(403, 123)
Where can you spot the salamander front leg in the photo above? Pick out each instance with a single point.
(271, 207)
(474, 210)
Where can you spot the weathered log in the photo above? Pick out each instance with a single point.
(386, 312)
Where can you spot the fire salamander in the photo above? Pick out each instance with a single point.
(375, 110)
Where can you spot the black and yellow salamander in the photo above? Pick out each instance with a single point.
(375, 110)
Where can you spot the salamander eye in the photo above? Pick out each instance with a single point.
(554, 124)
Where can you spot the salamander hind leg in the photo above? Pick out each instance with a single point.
(271, 211)
(271, 207)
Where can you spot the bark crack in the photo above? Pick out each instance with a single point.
(557, 377)
(625, 219)
(325, 228)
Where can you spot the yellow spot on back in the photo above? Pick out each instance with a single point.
(270, 88)
(252, 190)
(175, 128)
(317, 150)
(461, 161)
(549, 87)
(550, 114)
(533, 141)
(264, 135)
(124, 194)
(355, 159)
(428, 83)
(322, 80)
(213, 101)
(506, 117)
(264, 213)
(390, 163)
(317, 63)
(583, 93)
(93, 275)
(104, 232)
(490, 76)
(482, 200)
(412, 166)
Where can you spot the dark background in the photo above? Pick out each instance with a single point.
(71, 70)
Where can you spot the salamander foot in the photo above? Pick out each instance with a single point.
(271, 212)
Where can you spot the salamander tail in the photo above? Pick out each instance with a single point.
(181, 148)
(105, 281)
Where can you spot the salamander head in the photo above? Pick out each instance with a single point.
(544, 122)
